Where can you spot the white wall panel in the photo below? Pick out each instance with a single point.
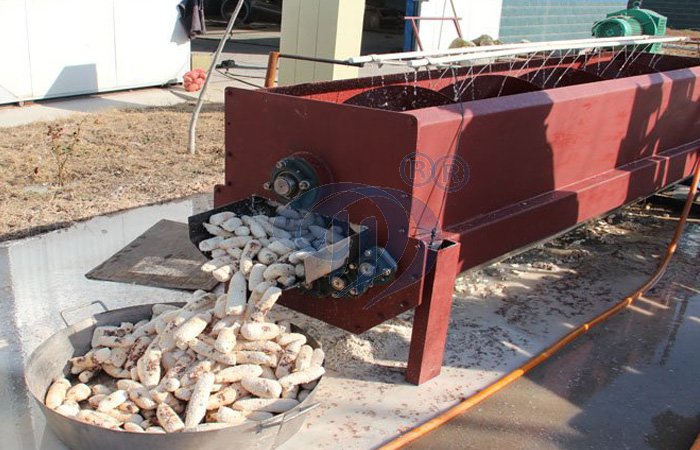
(478, 17)
(151, 44)
(57, 48)
(71, 46)
(15, 73)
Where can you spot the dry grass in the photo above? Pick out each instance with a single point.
(691, 50)
(123, 159)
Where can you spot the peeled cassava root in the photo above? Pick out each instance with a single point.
(214, 363)
(217, 361)
(265, 248)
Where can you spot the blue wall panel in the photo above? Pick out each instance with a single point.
(548, 20)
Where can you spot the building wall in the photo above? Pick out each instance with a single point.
(478, 17)
(682, 14)
(548, 20)
(51, 49)
(320, 28)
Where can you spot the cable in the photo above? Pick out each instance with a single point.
(238, 78)
(457, 410)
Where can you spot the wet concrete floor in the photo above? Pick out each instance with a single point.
(633, 382)
(43, 276)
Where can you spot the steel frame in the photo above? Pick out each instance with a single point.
(539, 163)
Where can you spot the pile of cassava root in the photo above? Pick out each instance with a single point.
(261, 248)
(217, 361)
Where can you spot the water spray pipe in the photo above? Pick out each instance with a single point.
(540, 47)
(522, 46)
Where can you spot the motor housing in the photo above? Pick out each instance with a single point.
(632, 22)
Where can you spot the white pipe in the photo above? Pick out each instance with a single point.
(533, 49)
(452, 51)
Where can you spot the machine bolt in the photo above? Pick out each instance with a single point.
(386, 272)
(354, 291)
(280, 164)
(284, 186)
(338, 283)
(368, 252)
(304, 185)
(367, 269)
(352, 266)
(267, 186)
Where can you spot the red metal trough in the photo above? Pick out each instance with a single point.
(485, 164)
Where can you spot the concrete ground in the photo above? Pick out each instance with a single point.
(632, 383)
(249, 48)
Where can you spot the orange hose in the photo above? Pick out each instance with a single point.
(466, 404)
(696, 444)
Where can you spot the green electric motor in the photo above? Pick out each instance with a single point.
(632, 22)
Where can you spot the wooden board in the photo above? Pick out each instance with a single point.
(163, 256)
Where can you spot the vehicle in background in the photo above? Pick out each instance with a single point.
(379, 14)
(266, 11)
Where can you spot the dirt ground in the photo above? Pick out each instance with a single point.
(692, 50)
(121, 159)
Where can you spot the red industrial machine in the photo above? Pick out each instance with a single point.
(452, 169)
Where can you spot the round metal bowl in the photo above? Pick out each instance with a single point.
(50, 360)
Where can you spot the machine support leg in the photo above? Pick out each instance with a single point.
(432, 316)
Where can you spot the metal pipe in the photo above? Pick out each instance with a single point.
(342, 62)
(271, 73)
(544, 47)
(192, 142)
(430, 18)
(459, 409)
(456, 51)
